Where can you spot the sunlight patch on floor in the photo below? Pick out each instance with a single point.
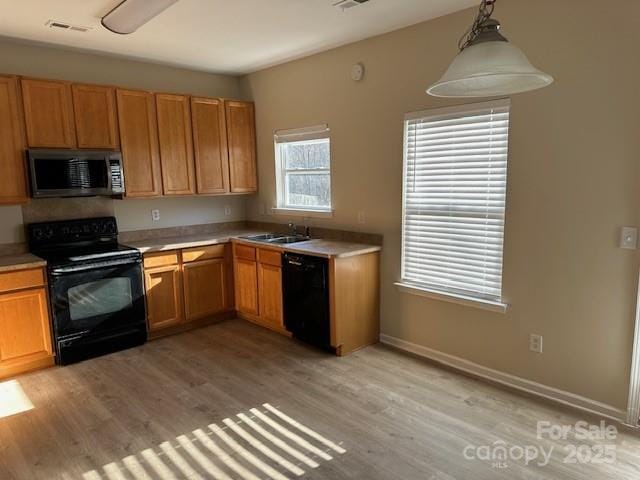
(13, 400)
(264, 444)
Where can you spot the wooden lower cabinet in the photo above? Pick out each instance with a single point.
(187, 286)
(205, 288)
(270, 294)
(246, 283)
(25, 327)
(258, 285)
(164, 296)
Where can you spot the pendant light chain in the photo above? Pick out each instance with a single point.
(484, 13)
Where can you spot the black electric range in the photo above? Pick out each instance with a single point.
(96, 289)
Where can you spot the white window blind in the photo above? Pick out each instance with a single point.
(455, 179)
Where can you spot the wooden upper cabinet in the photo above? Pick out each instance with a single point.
(48, 110)
(176, 144)
(96, 118)
(139, 143)
(210, 145)
(13, 178)
(241, 134)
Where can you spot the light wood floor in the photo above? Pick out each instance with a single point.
(133, 414)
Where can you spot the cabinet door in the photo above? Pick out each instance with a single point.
(48, 111)
(241, 134)
(176, 144)
(25, 335)
(246, 282)
(270, 288)
(163, 287)
(95, 114)
(210, 145)
(204, 288)
(13, 178)
(139, 139)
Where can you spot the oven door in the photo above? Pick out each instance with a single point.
(98, 298)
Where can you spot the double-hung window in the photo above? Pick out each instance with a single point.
(454, 188)
(303, 169)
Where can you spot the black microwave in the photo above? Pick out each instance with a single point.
(75, 173)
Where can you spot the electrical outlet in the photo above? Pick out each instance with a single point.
(227, 210)
(362, 218)
(629, 238)
(155, 215)
(535, 343)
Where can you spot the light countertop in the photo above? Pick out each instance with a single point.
(20, 261)
(315, 247)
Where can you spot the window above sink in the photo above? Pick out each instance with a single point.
(303, 171)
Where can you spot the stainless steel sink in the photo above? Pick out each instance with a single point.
(290, 239)
(263, 238)
(276, 238)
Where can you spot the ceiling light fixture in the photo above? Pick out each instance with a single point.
(130, 15)
(488, 65)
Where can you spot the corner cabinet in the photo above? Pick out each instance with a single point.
(139, 142)
(241, 134)
(48, 109)
(25, 332)
(176, 144)
(13, 175)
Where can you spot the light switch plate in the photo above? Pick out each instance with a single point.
(155, 215)
(629, 238)
(362, 217)
(227, 210)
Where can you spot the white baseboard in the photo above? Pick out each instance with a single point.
(519, 383)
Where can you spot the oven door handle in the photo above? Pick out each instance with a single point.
(83, 268)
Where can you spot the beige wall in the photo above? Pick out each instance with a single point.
(573, 178)
(41, 61)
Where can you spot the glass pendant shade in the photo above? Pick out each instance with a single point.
(488, 69)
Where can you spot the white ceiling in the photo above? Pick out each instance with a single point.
(226, 36)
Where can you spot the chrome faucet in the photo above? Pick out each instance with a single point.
(294, 229)
(307, 231)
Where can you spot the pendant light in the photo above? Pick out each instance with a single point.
(129, 15)
(488, 65)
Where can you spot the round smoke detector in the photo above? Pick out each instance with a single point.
(357, 72)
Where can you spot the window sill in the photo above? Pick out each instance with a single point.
(453, 298)
(299, 212)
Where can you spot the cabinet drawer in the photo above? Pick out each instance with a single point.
(270, 257)
(161, 259)
(248, 253)
(202, 253)
(21, 279)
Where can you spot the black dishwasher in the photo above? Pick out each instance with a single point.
(306, 298)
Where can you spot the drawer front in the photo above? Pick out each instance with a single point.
(248, 253)
(21, 279)
(202, 253)
(161, 259)
(270, 257)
